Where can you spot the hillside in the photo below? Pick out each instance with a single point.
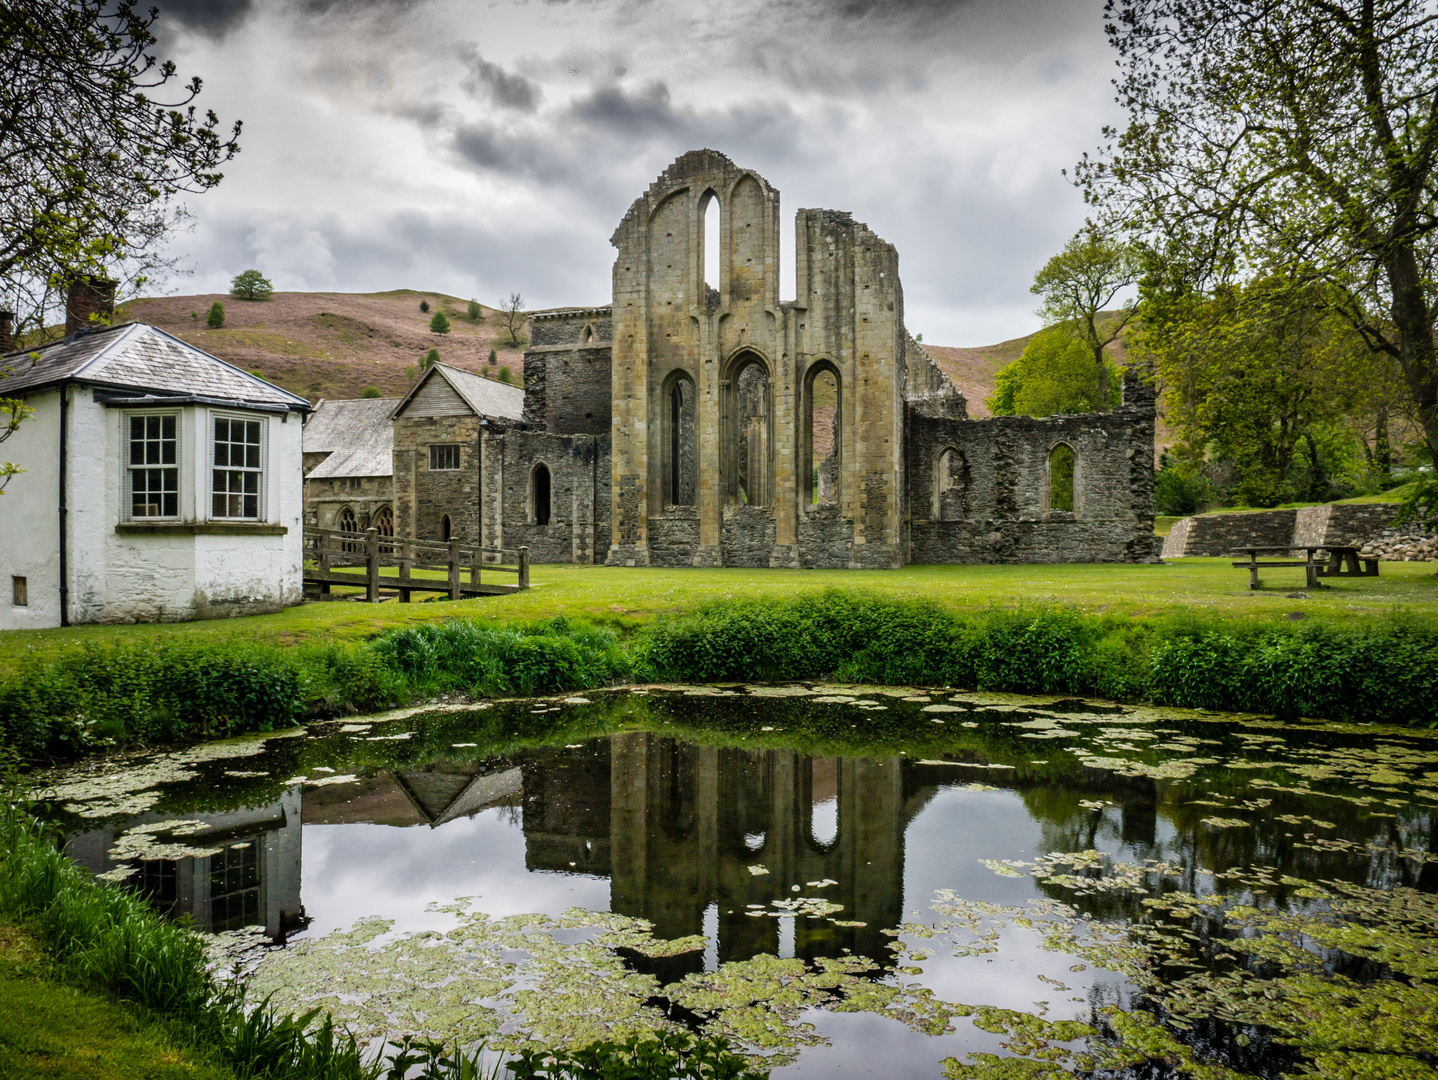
(334, 345)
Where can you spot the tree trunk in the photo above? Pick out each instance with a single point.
(1102, 378)
(1416, 350)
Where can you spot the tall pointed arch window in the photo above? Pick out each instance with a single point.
(750, 452)
(539, 494)
(1063, 470)
(823, 411)
(680, 465)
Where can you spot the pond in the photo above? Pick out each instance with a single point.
(844, 880)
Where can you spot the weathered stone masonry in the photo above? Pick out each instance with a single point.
(696, 423)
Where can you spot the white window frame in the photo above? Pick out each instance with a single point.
(130, 469)
(261, 471)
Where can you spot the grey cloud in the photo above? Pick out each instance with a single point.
(489, 80)
(211, 17)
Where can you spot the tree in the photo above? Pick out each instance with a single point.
(1055, 374)
(1081, 281)
(424, 305)
(1297, 139)
(475, 311)
(505, 376)
(99, 141)
(251, 285)
(493, 358)
(1260, 378)
(429, 360)
(13, 413)
(513, 309)
(216, 318)
(439, 324)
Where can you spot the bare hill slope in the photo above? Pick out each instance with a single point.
(334, 345)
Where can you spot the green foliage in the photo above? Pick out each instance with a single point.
(429, 359)
(1179, 488)
(1055, 374)
(474, 311)
(661, 1056)
(371, 392)
(251, 285)
(1272, 386)
(505, 375)
(439, 324)
(99, 697)
(1297, 138)
(424, 305)
(216, 318)
(493, 358)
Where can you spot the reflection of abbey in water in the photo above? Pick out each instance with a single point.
(250, 878)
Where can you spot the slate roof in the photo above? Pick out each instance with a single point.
(137, 357)
(357, 434)
(487, 397)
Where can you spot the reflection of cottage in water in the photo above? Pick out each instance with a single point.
(249, 874)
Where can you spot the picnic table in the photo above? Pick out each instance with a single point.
(1342, 561)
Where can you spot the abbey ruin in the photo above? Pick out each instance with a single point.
(693, 425)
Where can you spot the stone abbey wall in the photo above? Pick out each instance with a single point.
(567, 372)
(561, 514)
(1347, 524)
(993, 501)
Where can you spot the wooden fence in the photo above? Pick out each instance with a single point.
(357, 559)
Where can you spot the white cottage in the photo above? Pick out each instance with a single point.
(160, 484)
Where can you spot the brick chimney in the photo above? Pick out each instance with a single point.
(89, 296)
(7, 331)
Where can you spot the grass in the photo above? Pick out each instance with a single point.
(629, 597)
(49, 1030)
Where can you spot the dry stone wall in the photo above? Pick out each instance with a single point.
(1216, 535)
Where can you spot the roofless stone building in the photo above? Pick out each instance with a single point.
(694, 424)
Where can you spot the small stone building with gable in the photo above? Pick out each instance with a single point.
(160, 484)
(349, 465)
(699, 423)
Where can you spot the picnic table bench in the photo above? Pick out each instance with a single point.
(1342, 561)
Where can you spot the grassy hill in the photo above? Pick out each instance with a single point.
(334, 345)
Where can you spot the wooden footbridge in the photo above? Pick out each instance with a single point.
(360, 560)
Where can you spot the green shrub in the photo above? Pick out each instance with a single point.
(216, 318)
(505, 375)
(475, 312)
(439, 324)
(371, 392)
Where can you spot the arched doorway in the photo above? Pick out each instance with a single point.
(951, 486)
(446, 529)
(823, 415)
(749, 449)
(539, 494)
(679, 460)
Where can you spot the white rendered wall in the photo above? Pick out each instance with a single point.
(150, 576)
(30, 518)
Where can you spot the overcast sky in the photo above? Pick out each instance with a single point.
(482, 147)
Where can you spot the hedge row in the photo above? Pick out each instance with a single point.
(1385, 670)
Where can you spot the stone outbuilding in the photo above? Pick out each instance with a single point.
(349, 465)
(160, 484)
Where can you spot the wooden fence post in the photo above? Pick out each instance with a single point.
(476, 556)
(454, 568)
(322, 542)
(524, 568)
(406, 562)
(371, 556)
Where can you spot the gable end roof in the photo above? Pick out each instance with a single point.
(488, 398)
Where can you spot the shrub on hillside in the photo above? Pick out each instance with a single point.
(216, 318)
(424, 305)
(475, 312)
(439, 324)
(371, 392)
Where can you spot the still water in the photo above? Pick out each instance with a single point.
(845, 880)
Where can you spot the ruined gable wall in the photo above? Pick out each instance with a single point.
(579, 522)
(752, 446)
(567, 372)
(1006, 517)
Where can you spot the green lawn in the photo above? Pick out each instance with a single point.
(627, 597)
(49, 1031)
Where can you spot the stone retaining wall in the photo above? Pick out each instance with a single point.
(1216, 535)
